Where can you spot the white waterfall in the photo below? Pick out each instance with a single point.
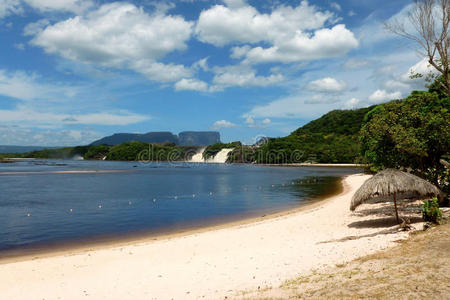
(221, 157)
(198, 157)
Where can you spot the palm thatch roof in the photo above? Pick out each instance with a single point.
(390, 181)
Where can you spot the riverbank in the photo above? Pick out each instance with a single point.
(316, 165)
(210, 264)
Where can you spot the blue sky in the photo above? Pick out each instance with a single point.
(72, 71)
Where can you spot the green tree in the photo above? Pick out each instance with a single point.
(411, 134)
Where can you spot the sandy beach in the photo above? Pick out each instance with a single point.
(211, 264)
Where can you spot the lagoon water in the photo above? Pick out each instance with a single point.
(41, 206)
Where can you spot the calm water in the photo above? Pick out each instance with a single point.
(148, 198)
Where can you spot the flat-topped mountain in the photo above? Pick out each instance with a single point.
(186, 138)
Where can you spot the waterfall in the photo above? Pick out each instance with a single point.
(221, 157)
(198, 157)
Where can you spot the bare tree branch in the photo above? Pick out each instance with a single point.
(428, 26)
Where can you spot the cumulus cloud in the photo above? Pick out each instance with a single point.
(380, 96)
(120, 35)
(160, 72)
(189, 84)
(251, 123)
(324, 43)
(293, 33)
(222, 124)
(327, 85)
(221, 25)
(9, 7)
(423, 68)
(352, 103)
(242, 76)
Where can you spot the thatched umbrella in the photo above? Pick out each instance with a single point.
(393, 182)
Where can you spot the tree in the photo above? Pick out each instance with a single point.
(412, 134)
(428, 25)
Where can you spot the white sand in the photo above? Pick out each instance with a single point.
(209, 265)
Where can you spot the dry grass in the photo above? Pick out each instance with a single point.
(418, 268)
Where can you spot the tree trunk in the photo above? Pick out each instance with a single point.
(395, 205)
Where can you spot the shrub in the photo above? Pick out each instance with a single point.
(431, 211)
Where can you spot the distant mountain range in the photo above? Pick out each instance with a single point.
(186, 138)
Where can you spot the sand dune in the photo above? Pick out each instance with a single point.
(211, 264)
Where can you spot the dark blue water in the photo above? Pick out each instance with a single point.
(44, 207)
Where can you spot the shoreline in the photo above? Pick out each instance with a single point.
(111, 241)
(210, 264)
(316, 165)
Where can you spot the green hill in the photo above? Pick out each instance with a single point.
(333, 138)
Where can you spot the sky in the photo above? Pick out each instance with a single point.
(73, 71)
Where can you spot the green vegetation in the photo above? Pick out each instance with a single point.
(97, 152)
(129, 151)
(147, 152)
(411, 134)
(333, 138)
(431, 211)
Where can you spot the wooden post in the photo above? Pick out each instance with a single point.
(395, 205)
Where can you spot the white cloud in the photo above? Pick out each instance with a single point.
(286, 29)
(336, 6)
(355, 63)
(76, 6)
(239, 52)
(251, 123)
(221, 25)
(320, 99)
(19, 46)
(396, 85)
(266, 121)
(249, 120)
(423, 68)
(23, 115)
(201, 64)
(352, 103)
(34, 28)
(14, 135)
(242, 76)
(380, 96)
(26, 86)
(222, 124)
(120, 35)
(294, 106)
(160, 72)
(187, 84)
(9, 7)
(327, 85)
(324, 43)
